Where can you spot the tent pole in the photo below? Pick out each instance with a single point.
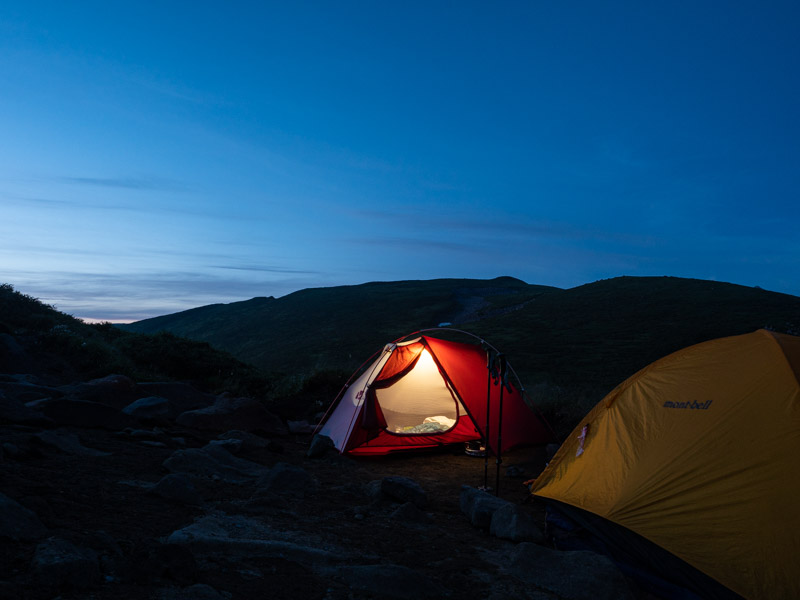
(490, 368)
(503, 383)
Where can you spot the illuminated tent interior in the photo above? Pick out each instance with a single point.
(425, 393)
(689, 468)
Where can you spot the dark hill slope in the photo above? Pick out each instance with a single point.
(590, 338)
(339, 327)
(570, 347)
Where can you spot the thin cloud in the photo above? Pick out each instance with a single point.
(41, 201)
(419, 244)
(128, 183)
(128, 297)
(496, 227)
(266, 269)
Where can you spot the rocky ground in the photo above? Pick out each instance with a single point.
(113, 489)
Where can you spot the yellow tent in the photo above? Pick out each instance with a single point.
(698, 453)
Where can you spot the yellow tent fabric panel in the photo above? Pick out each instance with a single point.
(698, 453)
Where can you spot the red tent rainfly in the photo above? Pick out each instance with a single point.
(424, 393)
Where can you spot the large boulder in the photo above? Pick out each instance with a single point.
(114, 390)
(58, 562)
(13, 356)
(83, 413)
(404, 489)
(249, 442)
(245, 414)
(26, 388)
(14, 411)
(68, 443)
(320, 444)
(214, 462)
(182, 396)
(237, 537)
(178, 488)
(287, 480)
(18, 523)
(573, 575)
(479, 506)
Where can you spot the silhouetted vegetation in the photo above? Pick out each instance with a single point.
(67, 348)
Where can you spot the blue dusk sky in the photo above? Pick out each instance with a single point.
(158, 156)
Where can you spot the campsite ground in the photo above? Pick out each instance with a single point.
(98, 502)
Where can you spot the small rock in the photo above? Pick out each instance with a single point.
(151, 407)
(290, 480)
(250, 441)
(404, 489)
(232, 445)
(12, 450)
(114, 381)
(410, 513)
(262, 499)
(299, 427)
(373, 490)
(178, 488)
(515, 471)
(103, 541)
(67, 443)
(511, 522)
(151, 560)
(201, 591)
(391, 581)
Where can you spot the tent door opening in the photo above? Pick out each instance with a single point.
(420, 403)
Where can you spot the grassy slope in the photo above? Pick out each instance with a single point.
(337, 327)
(574, 346)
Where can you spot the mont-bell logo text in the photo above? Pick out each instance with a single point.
(692, 405)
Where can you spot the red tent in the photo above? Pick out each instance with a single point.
(425, 393)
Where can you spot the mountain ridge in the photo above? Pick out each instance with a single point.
(569, 346)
